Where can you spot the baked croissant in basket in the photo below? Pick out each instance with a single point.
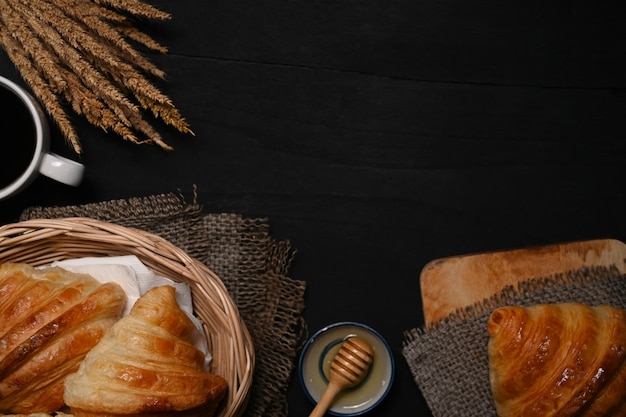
(49, 320)
(558, 360)
(145, 364)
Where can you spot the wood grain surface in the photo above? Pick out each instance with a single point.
(456, 282)
(377, 136)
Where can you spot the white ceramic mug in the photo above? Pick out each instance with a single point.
(25, 143)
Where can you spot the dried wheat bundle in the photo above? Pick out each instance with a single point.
(80, 52)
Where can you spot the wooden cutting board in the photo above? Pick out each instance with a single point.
(456, 282)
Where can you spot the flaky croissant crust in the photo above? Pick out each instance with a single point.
(49, 320)
(145, 363)
(558, 360)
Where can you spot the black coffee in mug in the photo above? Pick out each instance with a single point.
(25, 143)
(17, 136)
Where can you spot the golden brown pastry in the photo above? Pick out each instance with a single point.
(145, 363)
(558, 360)
(49, 320)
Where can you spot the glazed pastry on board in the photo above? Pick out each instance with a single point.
(146, 363)
(558, 360)
(49, 320)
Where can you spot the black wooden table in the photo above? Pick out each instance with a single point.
(377, 136)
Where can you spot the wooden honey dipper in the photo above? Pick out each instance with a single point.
(348, 369)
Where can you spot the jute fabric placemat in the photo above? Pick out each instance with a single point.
(449, 361)
(243, 254)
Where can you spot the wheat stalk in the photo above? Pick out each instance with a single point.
(80, 53)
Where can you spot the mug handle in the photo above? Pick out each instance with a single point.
(61, 169)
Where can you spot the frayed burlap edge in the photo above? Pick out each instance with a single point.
(242, 253)
(562, 280)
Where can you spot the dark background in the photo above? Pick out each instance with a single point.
(377, 136)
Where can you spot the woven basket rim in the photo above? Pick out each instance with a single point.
(41, 241)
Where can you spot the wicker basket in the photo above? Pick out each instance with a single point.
(40, 242)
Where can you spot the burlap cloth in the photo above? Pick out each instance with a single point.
(251, 263)
(449, 360)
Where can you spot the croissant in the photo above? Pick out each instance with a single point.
(49, 320)
(145, 364)
(558, 360)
